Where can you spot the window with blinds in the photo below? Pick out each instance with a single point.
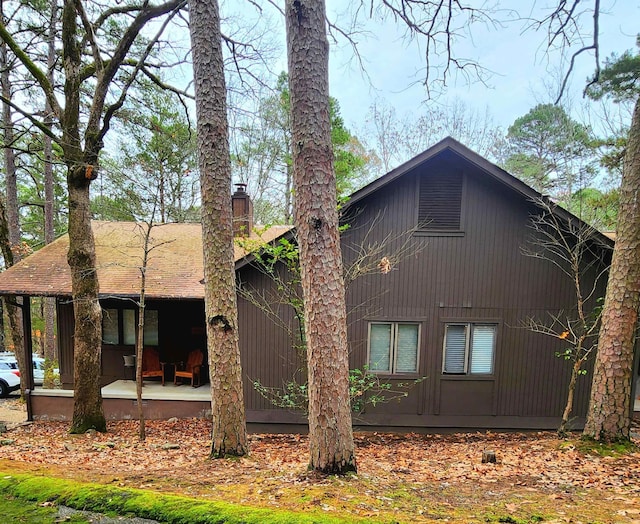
(440, 202)
(393, 347)
(469, 349)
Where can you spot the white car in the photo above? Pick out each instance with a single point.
(9, 379)
(8, 361)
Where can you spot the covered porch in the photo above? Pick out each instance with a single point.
(120, 402)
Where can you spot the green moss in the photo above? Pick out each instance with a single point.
(17, 511)
(612, 449)
(128, 502)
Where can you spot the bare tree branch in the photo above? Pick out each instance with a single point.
(110, 110)
(39, 75)
(29, 116)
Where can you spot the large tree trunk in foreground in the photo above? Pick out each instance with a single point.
(229, 427)
(316, 221)
(81, 165)
(87, 336)
(609, 419)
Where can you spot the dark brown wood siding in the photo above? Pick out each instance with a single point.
(476, 274)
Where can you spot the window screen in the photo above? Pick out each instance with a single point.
(380, 347)
(455, 349)
(407, 348)
(129, 326)
(482, 343)
(110, 331)
(393, 347)
(151, 327)
(469, 348)
(111, 327)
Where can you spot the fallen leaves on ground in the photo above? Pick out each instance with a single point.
(412, 477)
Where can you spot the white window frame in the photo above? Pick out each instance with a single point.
(469, 329)
(393, 349)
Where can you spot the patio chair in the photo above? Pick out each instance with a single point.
(191, 370)
(151, 365)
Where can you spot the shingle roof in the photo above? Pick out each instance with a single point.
(175, 266)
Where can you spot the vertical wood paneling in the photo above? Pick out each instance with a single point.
(480, 275)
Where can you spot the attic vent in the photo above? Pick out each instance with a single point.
(440, 202)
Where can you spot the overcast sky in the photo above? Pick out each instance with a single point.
(517, 58)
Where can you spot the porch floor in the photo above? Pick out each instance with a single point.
(126, 389)
(156, 391)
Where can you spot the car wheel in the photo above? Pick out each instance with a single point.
(4, 389)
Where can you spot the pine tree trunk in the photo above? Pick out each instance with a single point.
(11, 180)
(227, 401)
(608, 419)
(316, 220)
(10, 224)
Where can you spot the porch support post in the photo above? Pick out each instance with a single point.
(28, 345)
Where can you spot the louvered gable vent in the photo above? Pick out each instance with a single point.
(440, 201)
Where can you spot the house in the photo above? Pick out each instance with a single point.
(438, 291)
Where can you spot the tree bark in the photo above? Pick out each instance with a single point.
(87, 336)
(609, 416)
(10, 236)
(50, 355)
(229, 426)
(142, 433)
(11, 183)
(316, 219)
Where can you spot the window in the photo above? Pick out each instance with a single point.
(393, 347)
(119, 327)
(469, 349)
(440, 202)
(110, 327)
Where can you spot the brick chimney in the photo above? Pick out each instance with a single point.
(242, 211)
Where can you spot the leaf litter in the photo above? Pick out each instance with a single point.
(409, 478)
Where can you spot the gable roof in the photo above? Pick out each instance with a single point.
(175, 267)
(450, 145)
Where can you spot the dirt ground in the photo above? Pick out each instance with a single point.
(401, 478)
(12, 411)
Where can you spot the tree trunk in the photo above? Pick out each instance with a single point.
(50, 355)
(227, 402)
(571, 391)
(316, 220)
(608, 419)
(11, 184)
(10, 226)
(87, 336)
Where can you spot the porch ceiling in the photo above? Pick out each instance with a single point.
(175, 266)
